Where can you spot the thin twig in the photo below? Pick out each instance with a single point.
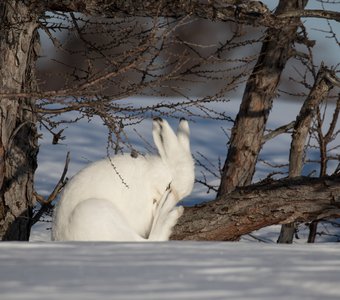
(47, 204)
(278, 131)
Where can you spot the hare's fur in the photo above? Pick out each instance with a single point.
(97, 205)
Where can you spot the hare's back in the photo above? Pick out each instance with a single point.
(129, 182)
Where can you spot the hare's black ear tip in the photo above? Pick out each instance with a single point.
(158, 119)
(183, 121)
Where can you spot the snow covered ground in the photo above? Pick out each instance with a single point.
(172, 270)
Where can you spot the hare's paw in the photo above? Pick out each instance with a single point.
(180, 211)
(165, 224)
(171, 221)
(173, 216)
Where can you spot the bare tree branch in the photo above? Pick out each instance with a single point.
(251, 208)
(278, 131)
(78, 90)
(312, 13)
(251, 12)
(47, 204)
(318, 93)
(248, 12)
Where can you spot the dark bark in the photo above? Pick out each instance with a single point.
(313, 227)
(287, 233)
(256, 206)
(18, 137)
(250, 12)
(318, 93)
(324, 140)
(253, 13)
(247, 133)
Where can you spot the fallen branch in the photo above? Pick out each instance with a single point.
(250, 208)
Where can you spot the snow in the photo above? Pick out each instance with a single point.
(170, 270)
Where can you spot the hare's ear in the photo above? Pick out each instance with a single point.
(169, 140)
(157, 135)
(183, 134)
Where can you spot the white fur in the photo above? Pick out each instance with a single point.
(96, 206)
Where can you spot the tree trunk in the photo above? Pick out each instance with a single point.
(247, 133)
(313, 226)
(253, 207)
(318, 93)
(18, 135)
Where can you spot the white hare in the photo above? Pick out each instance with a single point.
(96, 206)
